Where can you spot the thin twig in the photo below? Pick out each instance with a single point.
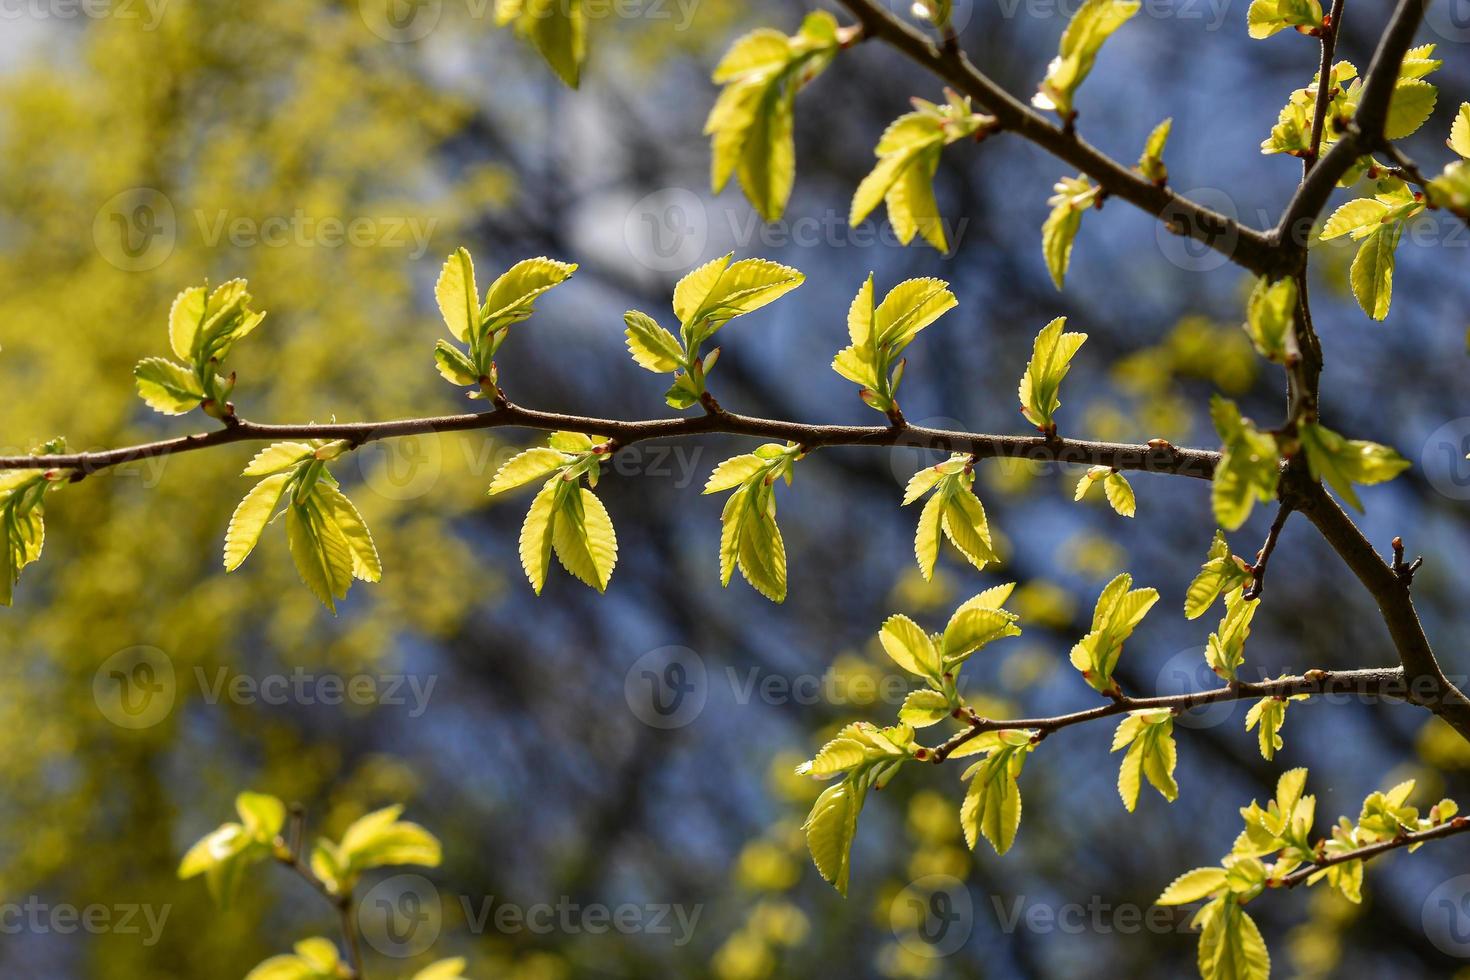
(1246, 246)
(290, 853)
(1198, 463)
(1447, 829)
(1386, 682)
(1324, 89)
(1363, 135)
(1258, 570)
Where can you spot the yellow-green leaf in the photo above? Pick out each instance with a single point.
(536, 535)
(167, 387)
(525, 467)
(459, 302)
(250, 518)
(1051, 359)
(653, 348)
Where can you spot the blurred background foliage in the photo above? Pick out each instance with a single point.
(528, 761)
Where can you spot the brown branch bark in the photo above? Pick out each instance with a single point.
(1425, 681)
(1159, 458)
(1246, 246)
(1383, 682)
(1364, 136)
(1448, 829)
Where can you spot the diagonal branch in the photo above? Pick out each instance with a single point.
(1425, 682)
(1384, 682)
(1245, 246)
(1448, 829)
(1155, 458)
(1363, 136)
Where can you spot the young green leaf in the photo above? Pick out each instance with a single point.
(1116, 488)
(908, 156)
(565, 518)
(975, 625)
(22, 521)
(923, 708)
(1412, 105)
(1248, 470)
(1270, 318)
(1092, 24)
(167, 387)
(22, 503)
(1072, 197)
(1230, 944)
(750, 126)
(313, 959)
(831, 827)
(1451, 189)
(1117, 613)
(653, 348)
(1459, 140)
(954, 509)
(1192, 886)
(1151, 163)
(252, 515)
(1270, 715)
(1051, 359)
(749, 537)
(1343, 462)
(1222, 572)
(556, 28)
(203, 327)
(1371, 274)
(879, 333)
(225, 853)
(1148, 735)
(380, 839)
(1225, 651)
(1266, 17)
(704, 301)
(329, 541)
(992, 804)
(483, 327)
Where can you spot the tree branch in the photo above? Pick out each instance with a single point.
(1157, 458)
(1364, 135)
(1324, 93)
(1425, 682)
(1384, 682)
(1258, 570)
(1448, 829)
(1245, 246)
